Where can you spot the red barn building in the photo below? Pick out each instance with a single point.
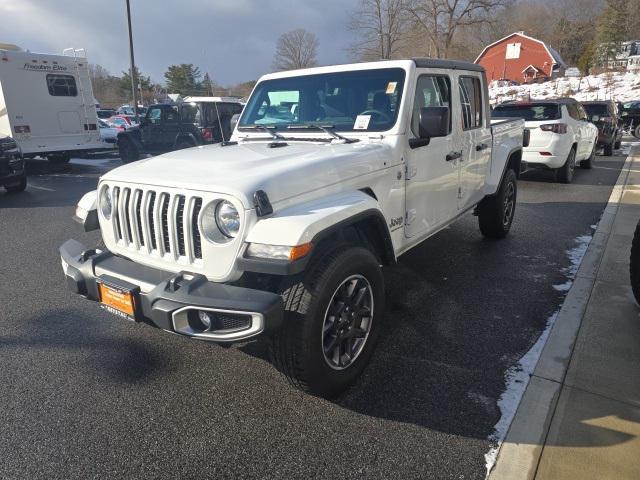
(521, 59)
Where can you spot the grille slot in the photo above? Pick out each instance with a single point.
(197, 245)
(151, 221)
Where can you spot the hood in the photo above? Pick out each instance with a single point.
(240, 170)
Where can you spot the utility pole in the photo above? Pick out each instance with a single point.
(132, 65)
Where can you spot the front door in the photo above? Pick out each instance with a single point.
(433, 172)
(151, 131)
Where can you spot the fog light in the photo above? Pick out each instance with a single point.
(205, 319)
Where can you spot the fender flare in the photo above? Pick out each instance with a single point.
(513, 151)
(315, 222)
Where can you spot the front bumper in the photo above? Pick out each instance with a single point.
(162, 298)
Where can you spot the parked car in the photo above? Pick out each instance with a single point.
(121, 122)
(560, 134)
(13, 176)
(604, 115)
(630, 116)
(128, 110)
(168, 127)
(284, 230)
(108, 133)
(104, 113)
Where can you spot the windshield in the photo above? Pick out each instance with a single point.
(595, 109)
(366, 100)
(531, 111)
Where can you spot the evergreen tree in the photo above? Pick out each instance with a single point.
(183, 79)
(612, 29)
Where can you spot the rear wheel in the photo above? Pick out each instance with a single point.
(636, 132)
(495, 214)
(59, 158)
(182, 144)
(332, 321)
(128, 151)
(564, 174)
(634, 264)
(588, 163)
(608, 149)
(18, 187)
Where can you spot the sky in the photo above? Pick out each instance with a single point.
(232, 40)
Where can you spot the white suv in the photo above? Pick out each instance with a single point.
(560, 134)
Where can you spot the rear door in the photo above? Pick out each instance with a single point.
(433, 176)
(475, 138)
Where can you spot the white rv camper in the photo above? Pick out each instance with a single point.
(47, 103)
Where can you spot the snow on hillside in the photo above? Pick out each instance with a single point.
(612, 85)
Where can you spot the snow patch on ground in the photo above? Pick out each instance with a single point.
(627, 146)
(620, 86)
(517, 377)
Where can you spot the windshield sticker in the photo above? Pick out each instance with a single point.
(362, 122)
(391, 88)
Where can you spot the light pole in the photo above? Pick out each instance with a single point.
(132, 64)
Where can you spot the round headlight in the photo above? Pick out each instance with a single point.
(105, 203)
(228, 219)
(220, 221)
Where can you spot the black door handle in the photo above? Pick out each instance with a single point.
(453, 156)
(482, 146)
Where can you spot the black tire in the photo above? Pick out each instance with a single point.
(128, 151)
(59, 158)
(298, 349)
(495, 214)
(564, 174)
(618, 145)
(634, 264)
(608, 149)
(636, 132)
(19, 187)
(182, 144)
(588, 163)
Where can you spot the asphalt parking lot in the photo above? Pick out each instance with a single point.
(86, 395)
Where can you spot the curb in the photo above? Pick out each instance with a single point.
(521, 449)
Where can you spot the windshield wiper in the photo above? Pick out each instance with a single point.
(328, 129)
(263, 128)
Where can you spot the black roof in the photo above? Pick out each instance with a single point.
(597, 102)
(450, 64)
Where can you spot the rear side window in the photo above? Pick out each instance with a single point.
(471, 102)
(530, 112)
(62, 85)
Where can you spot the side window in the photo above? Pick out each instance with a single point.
(154, 115)
(471, 102)
(171, 115)
(572, 108)
(188, 113)
(62, 85)
(431, 91)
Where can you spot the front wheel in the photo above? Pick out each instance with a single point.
(20, 187)
(332, 321)
(128, 151)
(495, 214)
(636, 132)
(608, 149)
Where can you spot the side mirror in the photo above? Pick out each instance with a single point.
(433, 122)
(234, 121)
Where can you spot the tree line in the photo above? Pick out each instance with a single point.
(184, 79)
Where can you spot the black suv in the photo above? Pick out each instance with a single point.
(630, 116)
(13, 175)
(604, 115)
(167, 127)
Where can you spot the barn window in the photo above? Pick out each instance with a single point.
(513, 50)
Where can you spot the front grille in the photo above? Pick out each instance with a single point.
(157, 222)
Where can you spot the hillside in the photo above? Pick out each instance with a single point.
(618, 86)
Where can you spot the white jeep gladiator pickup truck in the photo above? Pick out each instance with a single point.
(331, 174)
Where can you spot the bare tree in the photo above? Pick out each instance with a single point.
(440, 19)
(381, 27)
(296, 49)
